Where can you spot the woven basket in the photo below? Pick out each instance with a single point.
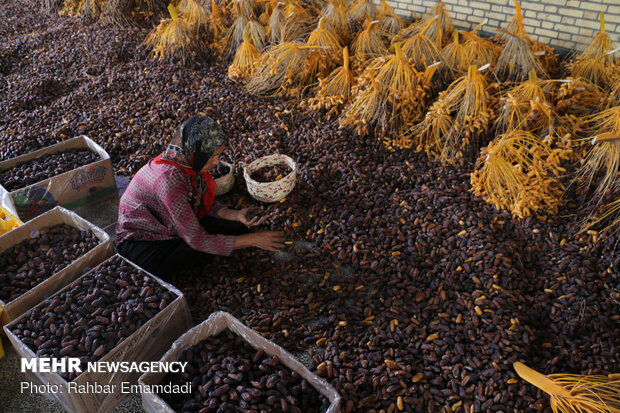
(225, 182)
(270, 191)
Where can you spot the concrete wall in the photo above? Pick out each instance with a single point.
(564, 24)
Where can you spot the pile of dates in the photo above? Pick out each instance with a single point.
(229, 375)
(38, 169)
(270, 173)
(98, 312)
(34, 260)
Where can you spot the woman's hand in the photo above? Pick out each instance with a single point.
(250, 217)
(241, 215)
(266, 240)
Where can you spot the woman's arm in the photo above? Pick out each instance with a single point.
(173, 191)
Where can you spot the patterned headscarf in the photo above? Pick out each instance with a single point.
(200, 137)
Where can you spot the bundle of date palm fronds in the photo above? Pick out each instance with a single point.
(516, 173)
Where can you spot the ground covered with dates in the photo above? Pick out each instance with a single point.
(396, 281)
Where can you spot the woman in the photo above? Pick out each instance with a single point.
(168, 219)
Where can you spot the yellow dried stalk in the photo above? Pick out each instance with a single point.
(370, 42)
(530, 89)
(575, 393)
(389, 22)
(479, 50)
(172, 38)
(512, 114)
(421, 49)
(361, 9)
(469, 102)
(276, 23)
(429, 134)
(455, 54)
(195, 14)
(609, 220)
(614, 96)
(328, 52)
(547, 57)
(515, 25)
(517, 59)
(245, 60)
(596, 64)
(299, 12)
(515, 173)
(367, 108)
(444, 22)
(218, 21)
(399, 88)
(335, 14)
(234, 34)
(246, 8)
(335, 90)
(557, 133)
(256, 34)
(71, 8)
(440, 29)
(434, 32)
(281, 70)
(297, 25)
(601, 166)
(601, 44)
(578, 97)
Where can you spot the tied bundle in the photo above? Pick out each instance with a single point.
(277, 20)
(361, 9)
(172, 38)
(468, 103)
(517, 58)
(247, 7)
(370, 42)
(335, 90)
(455, 54)
(575, 393)
(596, 64)
(196, 15)
(328, 51)
(422, 50)
(577, 96)
(281, 70)
(335, 14)
(244, 63)
(601, 165)
(389, 22)
(390, 95)
(234, 34)
(439, 22)
(515, 107)
(516, 173)
(479, 50)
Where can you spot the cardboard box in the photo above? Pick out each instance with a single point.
(13, 309)
(89, 183)
(147, 343)
(218, 321)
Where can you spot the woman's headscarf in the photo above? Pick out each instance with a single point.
(200, 137)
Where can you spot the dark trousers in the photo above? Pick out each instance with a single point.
(166, 257)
